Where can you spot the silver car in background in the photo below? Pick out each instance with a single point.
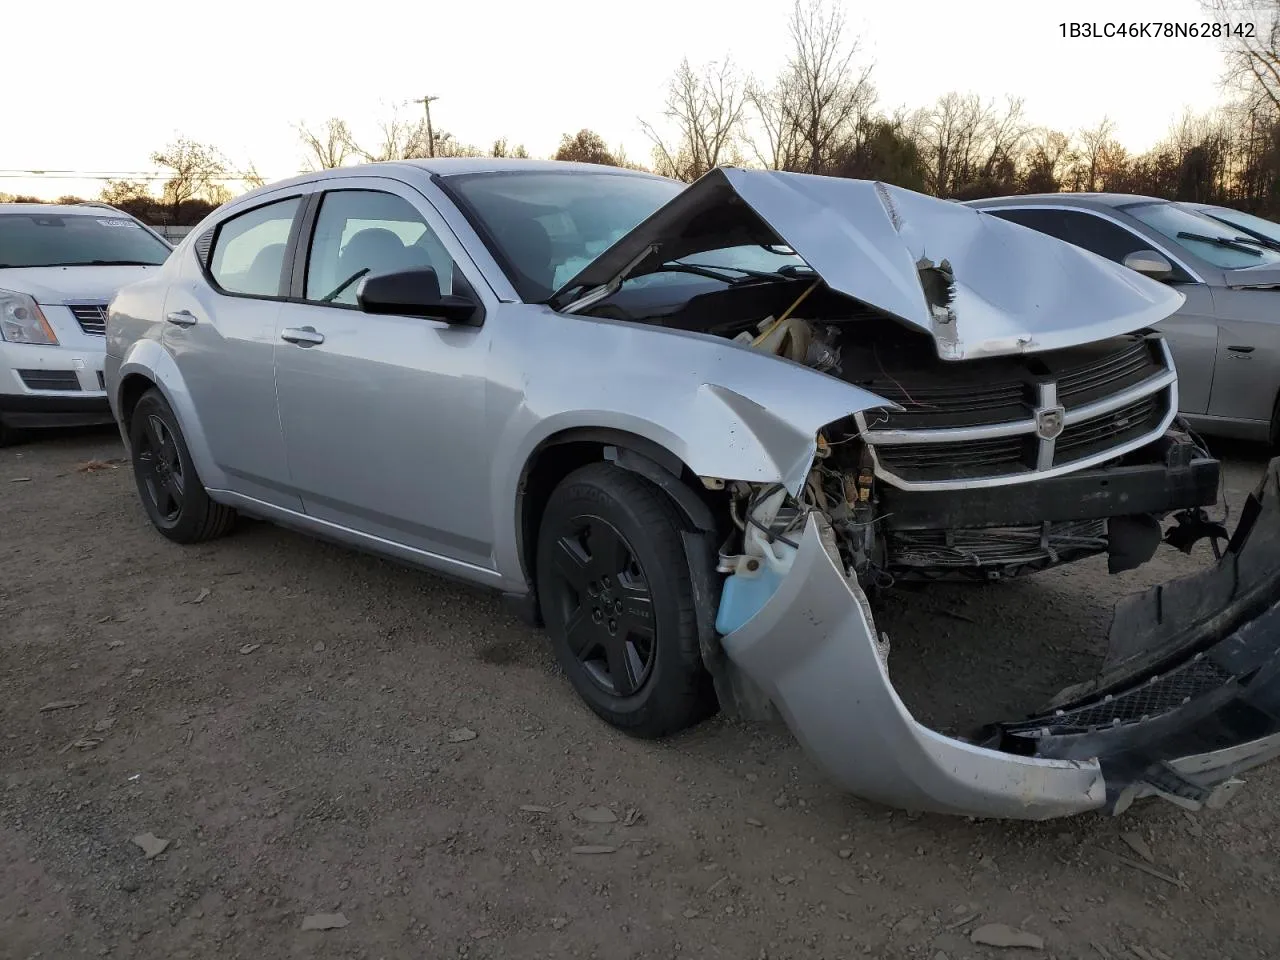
(1226, 336)
(696, 431)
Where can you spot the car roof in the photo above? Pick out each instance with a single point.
(1068, 199)
(445, 167)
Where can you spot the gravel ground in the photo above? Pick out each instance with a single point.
(317, 732)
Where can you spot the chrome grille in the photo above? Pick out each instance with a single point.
(1083, 415)
(92, 317)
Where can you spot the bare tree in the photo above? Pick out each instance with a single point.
(398, 139)
(251, 178)
(777, 146)
(967, 142)
(195, 171)
(1094, 143)
(1047, 160)
(118, 193)
(328, 147)
(704, 110)
(820, 100)
(1252, 53)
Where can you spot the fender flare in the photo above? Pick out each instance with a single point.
(147, 358)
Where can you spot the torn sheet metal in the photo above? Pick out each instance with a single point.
(1188, 700)
(981, 286)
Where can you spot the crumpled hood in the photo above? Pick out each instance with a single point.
(981, 286)
(55, 285)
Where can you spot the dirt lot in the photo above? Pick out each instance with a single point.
(287, 715)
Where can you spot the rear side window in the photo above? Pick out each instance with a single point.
(1046, 221)
(248, 253)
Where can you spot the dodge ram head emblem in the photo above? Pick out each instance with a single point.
(1049, 422)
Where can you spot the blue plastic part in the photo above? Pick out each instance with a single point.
(743, 597)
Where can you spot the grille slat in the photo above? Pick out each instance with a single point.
(1095, 435)
(1083, 375)
(92, 317)
(50, 379)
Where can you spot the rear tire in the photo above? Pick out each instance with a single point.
(172, 494)
(7, 435)
(617, 598)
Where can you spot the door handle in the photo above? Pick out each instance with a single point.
(181, 318)
(302, 336)
(1240, 349)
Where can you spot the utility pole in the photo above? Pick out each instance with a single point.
(431, 135)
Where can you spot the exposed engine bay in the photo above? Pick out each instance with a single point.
(980, 469)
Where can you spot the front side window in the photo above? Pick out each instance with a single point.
(361, 233)
(248, 253)
(77, 240)
(1208, 239)
(546, 226)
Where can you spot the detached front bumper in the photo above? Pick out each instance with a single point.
(1188, 697)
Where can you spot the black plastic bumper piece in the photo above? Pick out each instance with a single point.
(1189, 694)
(22, 411)
(1088, 495)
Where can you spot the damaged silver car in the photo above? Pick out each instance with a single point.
(697, 431)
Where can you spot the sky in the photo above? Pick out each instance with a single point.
(106, 84)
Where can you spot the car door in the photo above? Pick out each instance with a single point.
(220, 328)
(1248, 356)
(383, 416)
(1192, 332)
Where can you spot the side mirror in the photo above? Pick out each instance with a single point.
(1149, 263)
(414, 293)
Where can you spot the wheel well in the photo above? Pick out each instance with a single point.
(131, 391)
(564, 453)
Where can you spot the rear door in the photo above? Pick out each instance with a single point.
(1192, 332)
(1248, 355)
(220, 328)
(384, 416)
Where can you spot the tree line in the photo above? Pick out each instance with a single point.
(822, 114)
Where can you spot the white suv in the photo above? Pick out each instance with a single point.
(59, 268)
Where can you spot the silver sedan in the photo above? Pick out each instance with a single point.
(696, 431)
(1226, 336)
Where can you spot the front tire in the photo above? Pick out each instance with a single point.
(172, 494)
(617, 598)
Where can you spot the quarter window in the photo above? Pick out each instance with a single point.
(248, 255)
(362, 233)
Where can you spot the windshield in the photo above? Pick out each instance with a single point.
(1208, 239)
(548, 225)
(61, 240)
(1247, 221)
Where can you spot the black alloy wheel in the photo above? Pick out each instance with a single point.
(172, 494)
(605, 605)
(616, 594)
(160, 469)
